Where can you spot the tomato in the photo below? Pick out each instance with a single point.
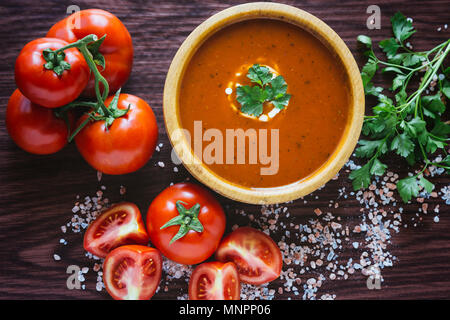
(205, 227)
(121, 224)
(43, 86)
(132, 272)
(255, 254)
(215, 281)
(33, 128)
(126, 145)
(117, 47)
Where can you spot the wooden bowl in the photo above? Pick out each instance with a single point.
(305, 21)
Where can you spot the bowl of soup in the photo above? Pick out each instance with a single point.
(263, 103)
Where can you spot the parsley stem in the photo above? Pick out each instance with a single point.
(438, 47)
(427, 78)
(437, 164)
(395, 65)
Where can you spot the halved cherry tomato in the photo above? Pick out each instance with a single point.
(33, 128)
(126, 145)
(215, 281)
(43, 86)
(121, 224)
(117, 48)
(186, 202)
(255, 254)
(132, 272)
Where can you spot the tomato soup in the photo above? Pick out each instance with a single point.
(308, 129)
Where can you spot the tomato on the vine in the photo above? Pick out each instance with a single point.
(215, 281)
(132, 272)
(33, 128)
(186, 223)
(48, 79)
(119, 225)
(116, 49)
(123, 146)
(255, 254)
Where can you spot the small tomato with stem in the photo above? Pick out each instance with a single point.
(49, 75)
(186, 223)
(119, 138)
(113, 54)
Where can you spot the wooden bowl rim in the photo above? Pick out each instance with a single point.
(305, 21)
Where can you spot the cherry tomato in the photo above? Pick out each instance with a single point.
(215, 281)
(255, 254)
(121, 224)
(43, 86)
(126, 145)
(117, 47)
(186, 201)
(132, 272)
(33, 128)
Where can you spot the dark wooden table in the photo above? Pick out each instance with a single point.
(37, 192)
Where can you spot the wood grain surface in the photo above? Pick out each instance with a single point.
(37, 192)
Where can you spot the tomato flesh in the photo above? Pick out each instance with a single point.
(257, 257)
(119, 225)
(132, 272)
(215, 281)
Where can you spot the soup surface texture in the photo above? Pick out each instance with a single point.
(310, 127)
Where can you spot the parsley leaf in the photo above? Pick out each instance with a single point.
(251, 99)
(389, 46)
(259, 74)
(446, 88)
(378, 168)
(361, 176)
(368, 148)
(268, 89)
(279, 87)
(401, 27)
(365, 40)
(402, 145)
(408, 188)
(427, 185)
(367, 73)
(413, 127)
(402, 126)
(433, 104)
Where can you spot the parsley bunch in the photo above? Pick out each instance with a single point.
(267, 89)
(409, 123)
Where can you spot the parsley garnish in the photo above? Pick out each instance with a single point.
(267, 89)
(409, 124)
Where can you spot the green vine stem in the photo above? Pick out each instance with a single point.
(55, 62)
